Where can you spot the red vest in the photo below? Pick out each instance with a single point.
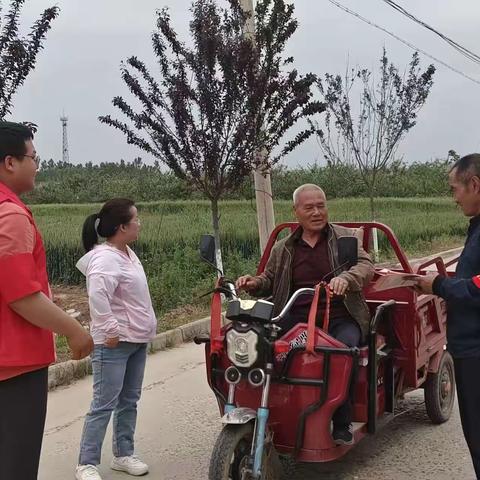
(22, 343)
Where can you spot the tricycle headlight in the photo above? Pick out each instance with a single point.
(242, 347)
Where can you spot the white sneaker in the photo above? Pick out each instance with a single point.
(132, 465)
(87, 472)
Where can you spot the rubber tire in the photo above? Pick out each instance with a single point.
(289, 466)
(433, 386)
(224, 449)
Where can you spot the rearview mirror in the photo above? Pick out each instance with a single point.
(207, 249)
(348, 251)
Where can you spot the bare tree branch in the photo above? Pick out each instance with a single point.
(388, 109)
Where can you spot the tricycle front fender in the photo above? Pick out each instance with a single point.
(239, 416)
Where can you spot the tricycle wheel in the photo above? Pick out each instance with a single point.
(289, 465)
(440, 391)
(230, 457)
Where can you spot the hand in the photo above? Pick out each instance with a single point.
(247, 283)
(425, 284)
(80, 343)
(112, 342)
(338, 286)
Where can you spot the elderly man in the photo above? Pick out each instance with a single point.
(462, 295)
(303, 259)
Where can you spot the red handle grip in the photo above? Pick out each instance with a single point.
(216, 319)
(312, 316)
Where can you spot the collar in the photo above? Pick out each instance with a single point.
(475, 221)
(297, 235)
(12, 196)
(6, 191)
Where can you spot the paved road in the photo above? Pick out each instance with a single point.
(178, 422)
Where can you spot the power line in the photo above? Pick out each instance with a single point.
(463, 50)
(408, 44)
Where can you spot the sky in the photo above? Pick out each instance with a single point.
(78, 71)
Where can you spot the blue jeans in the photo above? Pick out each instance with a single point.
(117, 386)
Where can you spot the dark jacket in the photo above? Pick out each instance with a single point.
(462, 294)
(276, 280)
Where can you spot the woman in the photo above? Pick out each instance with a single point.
(122, 324)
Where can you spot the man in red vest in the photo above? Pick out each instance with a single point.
(27, 314)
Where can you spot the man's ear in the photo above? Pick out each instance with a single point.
(8, 163)
(294, 212)
(476, 184)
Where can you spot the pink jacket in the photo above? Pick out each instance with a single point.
(119, 298)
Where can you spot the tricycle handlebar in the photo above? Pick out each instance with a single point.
(291, 301)
(229, 285)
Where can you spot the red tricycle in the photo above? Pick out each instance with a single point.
(277, 393)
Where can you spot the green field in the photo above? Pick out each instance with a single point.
(171, 231)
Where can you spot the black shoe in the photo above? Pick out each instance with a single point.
(343, 435)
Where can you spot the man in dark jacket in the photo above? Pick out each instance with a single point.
(462, 294)
(302, 260)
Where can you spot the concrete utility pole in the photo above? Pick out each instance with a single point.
(263, 186)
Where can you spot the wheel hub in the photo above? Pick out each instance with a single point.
(445, 389)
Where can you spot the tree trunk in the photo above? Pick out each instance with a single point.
(376, 252)
(371, 197)
(216, 233)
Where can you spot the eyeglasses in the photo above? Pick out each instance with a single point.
(35, 158)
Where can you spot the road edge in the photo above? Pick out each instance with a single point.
(64, 373)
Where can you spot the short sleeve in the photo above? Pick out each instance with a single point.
(18, 275)
(17, 234)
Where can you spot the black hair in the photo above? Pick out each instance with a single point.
(12, 139)
(114, 213)
(467, 167)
